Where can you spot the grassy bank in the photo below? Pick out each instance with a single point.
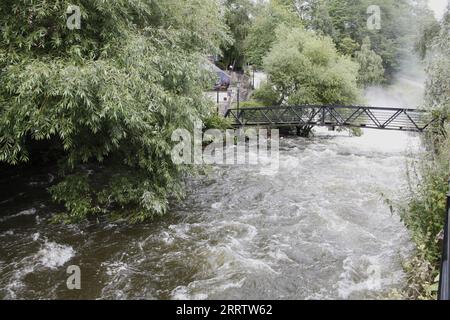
(423, 212)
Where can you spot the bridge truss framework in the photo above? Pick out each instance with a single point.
(402, 119)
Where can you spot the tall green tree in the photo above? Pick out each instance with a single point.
(103, 100)
(426, 27)
(438, 84)
(393, 41)
(305, 68)
(262, 32)
(371, 70)
(316, 16)
(238, 15)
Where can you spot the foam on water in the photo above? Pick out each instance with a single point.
(28, 212)
(318, 188)
(53, 255)
(366, 274)
(50, 256)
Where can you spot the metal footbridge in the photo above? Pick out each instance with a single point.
(401, 119)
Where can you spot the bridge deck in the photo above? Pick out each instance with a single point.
(334, 116)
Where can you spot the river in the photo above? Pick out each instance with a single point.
(318, 228)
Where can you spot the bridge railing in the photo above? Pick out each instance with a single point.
(334, 115)
(444, 282)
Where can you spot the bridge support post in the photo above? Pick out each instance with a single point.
(444, 282)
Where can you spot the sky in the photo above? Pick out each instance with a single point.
(438, 6)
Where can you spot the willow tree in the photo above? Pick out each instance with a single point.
(103, 99)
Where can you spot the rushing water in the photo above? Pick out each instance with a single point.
(316, 229)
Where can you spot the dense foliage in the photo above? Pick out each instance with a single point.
(425, 213)
(394, 39)
(346, 22)
(106, 98)
(262, 35)
(304, 68)
(253, 26)
(371, 70)
(238, 18)
(427, 205)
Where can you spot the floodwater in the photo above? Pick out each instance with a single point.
(316, 228)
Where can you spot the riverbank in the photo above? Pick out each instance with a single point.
(424, 212)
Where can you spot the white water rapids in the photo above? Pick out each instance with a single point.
(319, 228)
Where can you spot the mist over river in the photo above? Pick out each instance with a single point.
(319, 228)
